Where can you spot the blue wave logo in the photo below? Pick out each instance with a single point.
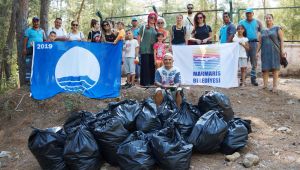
(77, 70)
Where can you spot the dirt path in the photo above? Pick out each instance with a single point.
(266, 110)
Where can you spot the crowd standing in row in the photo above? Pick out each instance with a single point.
(145, 47)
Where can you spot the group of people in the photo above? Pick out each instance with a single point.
(145, 51)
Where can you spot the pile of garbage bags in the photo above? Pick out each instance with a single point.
(139, 135)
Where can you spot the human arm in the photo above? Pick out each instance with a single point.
(245, 45)
(171, 39)
(231, 33)
(25, 41)
(120, 36)
(280, 35)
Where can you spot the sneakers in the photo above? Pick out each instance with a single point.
(127, 86)
(254, 82)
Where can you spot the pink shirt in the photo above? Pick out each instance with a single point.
(160, 50)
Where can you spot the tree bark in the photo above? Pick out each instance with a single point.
(7, 50)
(44, 10)
(21, 19)
(80, 10)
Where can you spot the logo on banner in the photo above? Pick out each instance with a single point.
(206, 64)
(73, 73)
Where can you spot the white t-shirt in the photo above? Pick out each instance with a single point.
(59, 32)
(130, 46)
(242, 50)
(75, 37)
(188, 22)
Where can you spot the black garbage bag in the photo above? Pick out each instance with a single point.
(167, 108)
(79, 118)
(134, 153)
(237, 136)
(126, 111)
(185, 119)
(209, 132)
(81, 150)
(48, 146)
(170, 150)
(213, 100)
(147, 120)
(110, 133)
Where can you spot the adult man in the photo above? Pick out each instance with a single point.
(32, 34)
(135, 27)
(228, 30)
(135, 30)
(188, 21)
(167, 78)
(253, 28)
(60, 32)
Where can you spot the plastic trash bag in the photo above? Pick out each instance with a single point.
(170, 150)
(109, 133)
(237, 136)
(147, 120)
(81, 150)
(134, 153)
(209, 132)
(48, 146)
(216, 101)
(78, 118)
(185, 119)
(167, 108)
(126, 111)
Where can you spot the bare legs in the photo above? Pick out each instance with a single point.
(159, 97)
(275, 80)
(243, 75)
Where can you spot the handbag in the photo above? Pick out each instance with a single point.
(283, 60)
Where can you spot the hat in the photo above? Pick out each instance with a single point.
(35, 19)
(133, 19)
(249, 10)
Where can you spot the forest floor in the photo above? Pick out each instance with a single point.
(266, 110)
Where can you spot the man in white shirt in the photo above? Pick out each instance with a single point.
(60, 32)
(189, 20)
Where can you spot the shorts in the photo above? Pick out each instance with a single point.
(242, 62)
(129, 65)
(173, 92)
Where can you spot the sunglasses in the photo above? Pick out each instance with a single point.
(75, 25)
(160, 22)
(225, 16)
(105, 25)
(151, 17)
(190, 8)
(200, 17)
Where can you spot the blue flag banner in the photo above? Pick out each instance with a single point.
(92, 69)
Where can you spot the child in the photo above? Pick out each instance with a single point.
(52, 36)
(131, 53)
(159, 50)
(121, 32)
(240, 37)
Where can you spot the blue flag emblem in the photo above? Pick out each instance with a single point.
(93, 69)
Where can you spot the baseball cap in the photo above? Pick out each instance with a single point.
(133, 19)
(35, 19)
(248, 10)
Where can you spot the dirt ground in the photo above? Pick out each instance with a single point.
(267, 111)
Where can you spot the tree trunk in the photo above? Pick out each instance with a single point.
(44, 10)
(7, 50)
(80, 10)
(21, 19)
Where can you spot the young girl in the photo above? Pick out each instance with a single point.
(240, 37)
(159, 50)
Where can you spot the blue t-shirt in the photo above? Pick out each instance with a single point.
(252, 28)
(135, 32)
(167, 77)
(226, 31)
(34, 36)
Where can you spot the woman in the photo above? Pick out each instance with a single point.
(75, 34)
(202, 33)
(107, 34)
(95, 31)
(161, 25)
(178, 32)
(271, 45)
(147, 37)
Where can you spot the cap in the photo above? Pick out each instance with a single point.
(133, 19)
(249, 10)
(35, 19)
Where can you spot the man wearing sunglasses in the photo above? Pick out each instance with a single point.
(188, 20)
(228, 30)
